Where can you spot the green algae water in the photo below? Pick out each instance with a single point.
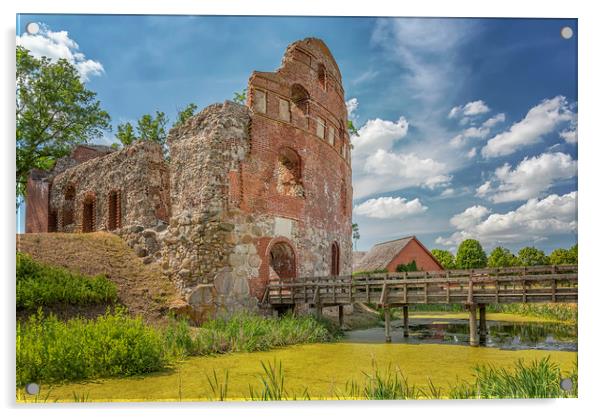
(322, 369)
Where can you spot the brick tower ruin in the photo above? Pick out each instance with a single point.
(251, 193)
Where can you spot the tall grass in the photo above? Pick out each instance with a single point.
(43, 285)
(49, 350)
(539, 379)
(245, 332)
(115, 344)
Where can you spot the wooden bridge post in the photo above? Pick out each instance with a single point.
(406, 321)
(341, 315)
(482, 323)
(472, 324)
(387, 325)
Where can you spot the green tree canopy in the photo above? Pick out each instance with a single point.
(564, 256)
(445, 258)
(470, 255)
(501, 257)
(185, 114)
(240, 97)
(55, 111)
(531, 256)
(125, 134)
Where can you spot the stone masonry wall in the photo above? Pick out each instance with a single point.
(137, 173)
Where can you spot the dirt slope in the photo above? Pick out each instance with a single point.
(143, 289)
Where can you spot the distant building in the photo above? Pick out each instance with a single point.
(388, 255)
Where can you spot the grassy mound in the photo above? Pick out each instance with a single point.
(43, 285)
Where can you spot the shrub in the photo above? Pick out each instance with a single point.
(410, 267)
(114, 344)
(43, 285)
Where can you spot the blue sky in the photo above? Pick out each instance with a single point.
(468, 127)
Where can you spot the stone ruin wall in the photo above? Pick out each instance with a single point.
(230, 205)
(138, 177)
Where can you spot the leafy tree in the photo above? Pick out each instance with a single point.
(147, 128)
(564, 256)
(470, 255)
(355, 228)
(351, 128)
(531, 256)
(54, 111)
(410, 267)
(240, 97)
(185, 114)
(501, 257)
(153, 128)
(445, 258)
(125, 134)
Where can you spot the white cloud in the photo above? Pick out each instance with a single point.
(477, 132)
(530, 178)
(569, 136)
(379, 134)
(474, 108)
(378, 167)
(387, 171)
(469, 217)
(472, 153)
(57, 45)
(389, 207)
(492, 121)
(352, 105)
(533, 221)
(448, 192)
(483, 189)
(539, 121)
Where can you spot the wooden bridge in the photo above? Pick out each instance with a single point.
(475, 288)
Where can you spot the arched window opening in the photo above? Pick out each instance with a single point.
(300, 98)
(68, 202)
(322, 76)
(289, 174)
(282, 262)
(334, 259)
(343, 197)
(114, 210)
(89, 214)
(52, 221)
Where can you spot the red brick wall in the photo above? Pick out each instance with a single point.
(83, 153)
(413, 251)
(325, 166)
(36, 205)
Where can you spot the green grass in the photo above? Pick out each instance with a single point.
(49, 350)
(539, 379)
(115, 344)
(43, 285)
(245, 332)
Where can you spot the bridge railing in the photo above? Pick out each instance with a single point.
(490, 285)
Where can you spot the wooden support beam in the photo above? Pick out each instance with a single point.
(472, 324)
(319, 310)
(340, 316)
(383, 295)
(406, 321)
(482, 323)
(387, 325)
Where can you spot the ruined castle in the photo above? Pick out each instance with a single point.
(250, 193)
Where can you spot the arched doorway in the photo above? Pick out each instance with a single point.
(89, 214)
(283, 269)
(282, 262)
(334, 259)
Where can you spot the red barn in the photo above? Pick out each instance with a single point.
(388, 255)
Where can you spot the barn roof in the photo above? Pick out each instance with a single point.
(383, 253)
